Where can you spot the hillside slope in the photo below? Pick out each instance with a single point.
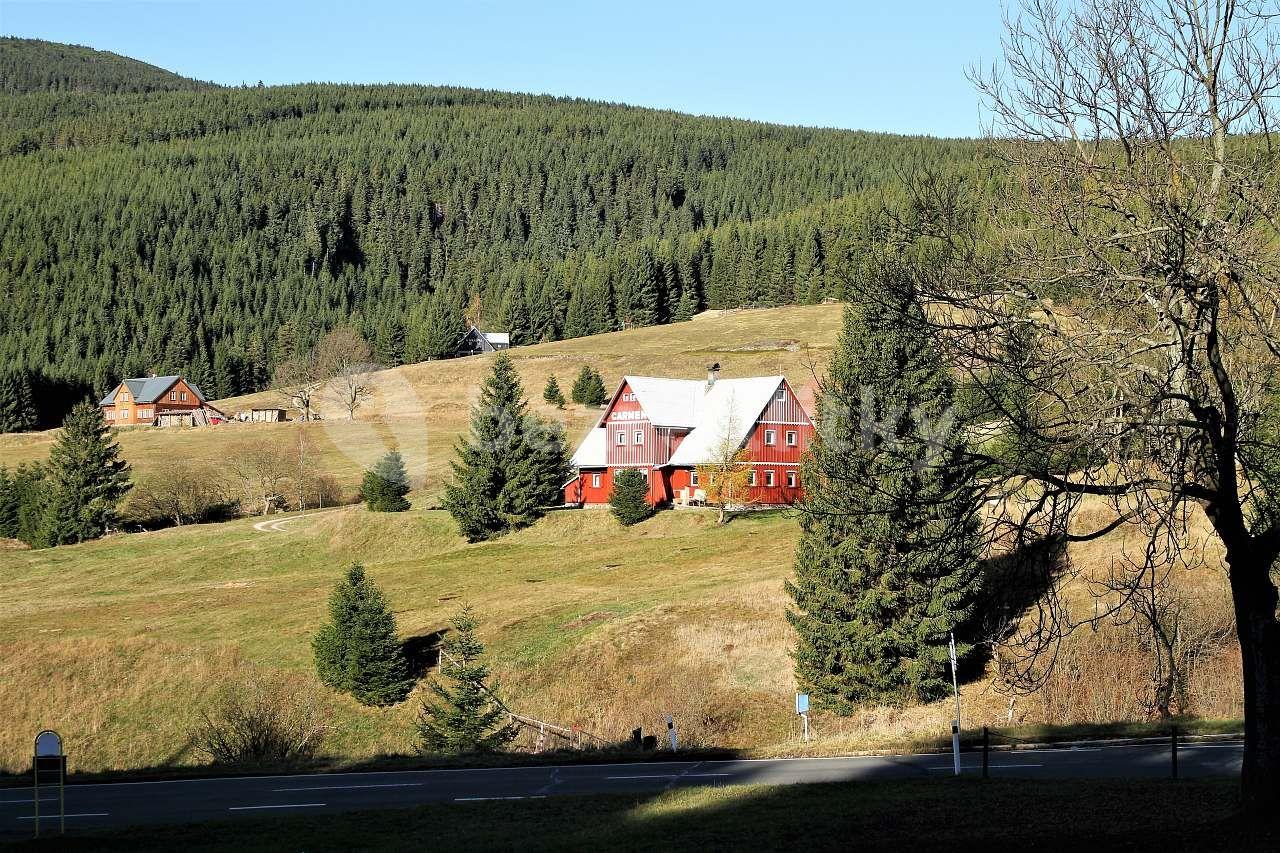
(33, 65)
(422, 409)
(214, 233)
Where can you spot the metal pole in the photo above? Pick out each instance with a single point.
(35, 775)
(986, 751)
(62, 795)
(1174, 740)
(955, 744)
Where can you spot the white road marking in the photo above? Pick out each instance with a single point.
(486, 799)
(287, 806)
(28, 801)
(979, 766)
(670, 776)
(55, 817)
(352, 787)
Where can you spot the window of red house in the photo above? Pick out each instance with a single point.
(752, 480)
(791, 479)
(792, 438)
(595, 481)
(638, 438)
(768, 478)
(771, 436)
(621, 437)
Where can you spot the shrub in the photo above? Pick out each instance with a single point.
(262, 722)
(629, 500)
(180, 495)
(359, 651)
(386, 484)
(552, 393)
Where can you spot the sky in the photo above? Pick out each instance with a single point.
(882, 66)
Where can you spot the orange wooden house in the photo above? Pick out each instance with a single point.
(155, 399)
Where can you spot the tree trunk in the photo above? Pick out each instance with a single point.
(1254, 596)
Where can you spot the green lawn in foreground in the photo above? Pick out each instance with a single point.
(992, 815)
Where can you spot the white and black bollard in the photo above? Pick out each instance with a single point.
(671, 733)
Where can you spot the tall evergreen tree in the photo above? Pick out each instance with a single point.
(466, 714)
(385, 485)
(358, 651)
(886, 567)
(500, 476)
(17, 408)
(87, 479)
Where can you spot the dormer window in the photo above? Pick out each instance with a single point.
(781, 396)
(173, 395)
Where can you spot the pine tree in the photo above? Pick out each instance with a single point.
(588, 389)
(466, 715)
(17, 409)
(552, 393)
(629, 500)
(500, 476)
(385, 485)
(358, 651)
(87, 479)
(886, 567)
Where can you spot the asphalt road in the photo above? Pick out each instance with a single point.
(193, 800)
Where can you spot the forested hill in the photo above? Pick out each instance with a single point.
(32, 65)
(216, 232)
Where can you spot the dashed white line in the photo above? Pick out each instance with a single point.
(351, 787)
(671, 776)
(979, 766)
(56, 817)
(486, 799)
(285, 806)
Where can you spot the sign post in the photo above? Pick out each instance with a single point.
(49, 759)
(802, 708)
(955, 724)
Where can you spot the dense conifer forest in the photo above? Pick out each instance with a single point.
(32, 65)
(217, 231)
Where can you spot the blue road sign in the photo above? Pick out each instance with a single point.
(802, 703)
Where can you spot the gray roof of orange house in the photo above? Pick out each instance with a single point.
(148, 389)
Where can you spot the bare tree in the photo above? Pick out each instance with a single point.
(262, 467)
(342, 358)
(1119, 316)
(298, 380)
(180, 493)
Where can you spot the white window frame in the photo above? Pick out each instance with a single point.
(751, 481)
(620, 438)
(781, 396)
(793, 438)
(173, 395)
(693, 477)
(595, 481)
(769, 479)
(638, 438)
(791, 479)
(184, 396)
(771, 437)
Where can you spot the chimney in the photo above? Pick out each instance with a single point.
(713, 373)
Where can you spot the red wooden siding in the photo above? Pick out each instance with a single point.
(626, 417)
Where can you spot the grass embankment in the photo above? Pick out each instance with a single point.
(918, 815)
(421, 409)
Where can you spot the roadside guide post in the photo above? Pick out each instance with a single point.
(955, 724)
(802, 708)
(671, 733)
(49, 759)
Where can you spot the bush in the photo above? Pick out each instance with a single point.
(262, 722)
(359, 650)
(386, 484)
(629, 500)
(180, 495)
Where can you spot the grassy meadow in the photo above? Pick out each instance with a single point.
(120, 643)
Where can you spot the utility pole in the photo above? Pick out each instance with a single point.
(955, 724)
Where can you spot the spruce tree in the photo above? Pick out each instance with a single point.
(552, 393)
(17, 409)
(358, 651)
(500, 476)
(465, 714)
(629, 500)
(87, 479)
(886, 567)
(385, 485)
(588, 389)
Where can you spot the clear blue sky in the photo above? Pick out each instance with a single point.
(855, 64)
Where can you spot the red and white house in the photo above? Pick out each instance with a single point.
(667, 427)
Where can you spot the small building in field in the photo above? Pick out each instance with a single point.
(475, 342)
(271, 416)
(666, 428)
(164, 400)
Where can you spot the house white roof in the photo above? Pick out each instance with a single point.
(496, 338)
(728, 409)
(591, 453)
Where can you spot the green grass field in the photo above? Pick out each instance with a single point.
(866, 816)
